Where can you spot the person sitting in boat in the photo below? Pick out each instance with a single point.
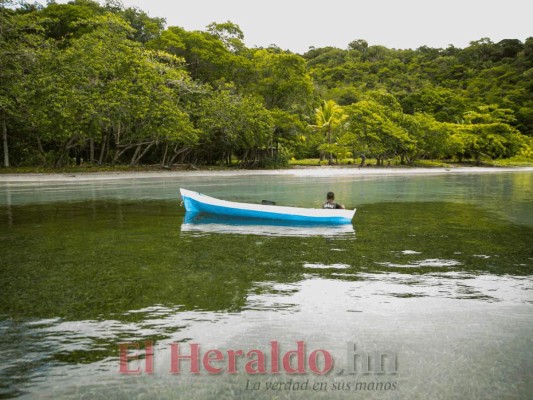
(331, 203)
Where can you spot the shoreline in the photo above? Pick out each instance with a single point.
(323, 171)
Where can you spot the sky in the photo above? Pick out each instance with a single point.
(297, 25)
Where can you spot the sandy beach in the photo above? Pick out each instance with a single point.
(323, 171)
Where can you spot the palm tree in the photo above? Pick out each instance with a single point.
(328, 116)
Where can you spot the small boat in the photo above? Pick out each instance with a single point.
(199, 203)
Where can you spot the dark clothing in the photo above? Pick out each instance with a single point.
(332, 205)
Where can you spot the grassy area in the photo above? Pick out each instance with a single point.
(518, 161)
(509, 162)
(432, 164)
(313, 162)
(371, 163)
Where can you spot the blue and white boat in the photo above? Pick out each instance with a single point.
(199, 203)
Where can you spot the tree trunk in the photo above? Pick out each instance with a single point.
(65, 150)
(143, 153)
(164, 156)
(91, 151)
(363, 160)
(59, 160)
(41, 149)
(106, 154)
(4, 141)
(102, 150)
(117, 136)
(176, 154)
(244, 158)
(330, 156)
(119, 153)
(132, 162)
(172, 159)
(117, 142)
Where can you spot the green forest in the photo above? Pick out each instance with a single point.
(101, 84)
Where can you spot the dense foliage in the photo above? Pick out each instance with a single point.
(104, 84)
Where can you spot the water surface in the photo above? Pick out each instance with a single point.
(435, 269)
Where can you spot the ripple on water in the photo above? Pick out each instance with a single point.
(430, 262)
(326, 266)
(409, 252)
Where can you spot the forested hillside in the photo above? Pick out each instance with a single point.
(86, 82)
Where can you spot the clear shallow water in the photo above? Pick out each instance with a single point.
(435, 269)
(498, 192)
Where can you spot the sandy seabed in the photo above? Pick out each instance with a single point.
(307, 171)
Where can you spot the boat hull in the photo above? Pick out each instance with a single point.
(198, 203)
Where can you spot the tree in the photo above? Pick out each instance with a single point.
(145, 27)
(8, 70)
(374, 128)
(104, 88)
(360, 46)
(234, 125)
(61, 21)
(206, 56)
(82, 91)
(432, 138)
(20, 37)
(443, 104)
(228, 33)
(487, 131)
(282, 80)
(328, 117)
(508, 48)
(109, 84)
(289, 131)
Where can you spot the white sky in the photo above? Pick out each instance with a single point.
(298, 24)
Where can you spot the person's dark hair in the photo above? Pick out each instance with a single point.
(330, 196)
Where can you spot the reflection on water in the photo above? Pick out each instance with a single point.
(446, 285)
(207, 224)
(433, 262)
(410, 314)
